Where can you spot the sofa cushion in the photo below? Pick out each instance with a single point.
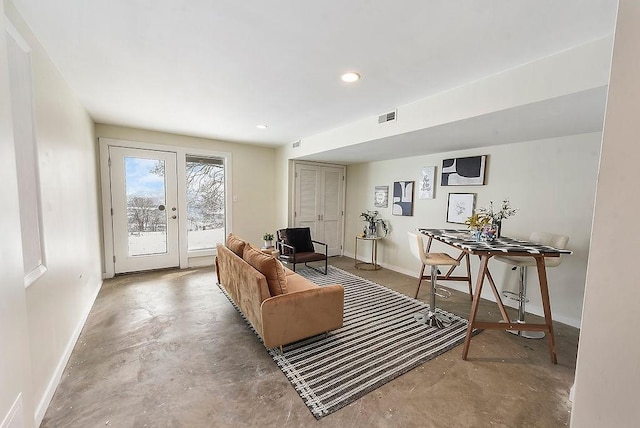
(267, 265)
(297, 283)
(236, 244)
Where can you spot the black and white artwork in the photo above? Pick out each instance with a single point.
(403, 198)
(464, 171)
(460, 207)
(427, 182)
(381, 197)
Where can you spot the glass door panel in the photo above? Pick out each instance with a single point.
(205, 202)
(146, 206)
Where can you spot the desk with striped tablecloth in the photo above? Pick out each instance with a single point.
(463, 240)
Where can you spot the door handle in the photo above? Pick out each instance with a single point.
(174, 217)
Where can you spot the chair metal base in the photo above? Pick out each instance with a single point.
(528, 334)
(524, 333)
(521, 298)
(433, 319)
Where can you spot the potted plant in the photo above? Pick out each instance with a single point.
(268, 239)
(371, 230)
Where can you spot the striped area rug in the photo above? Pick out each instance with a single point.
(379, 341)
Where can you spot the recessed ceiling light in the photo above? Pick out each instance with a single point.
(350, 77)
(261, 126)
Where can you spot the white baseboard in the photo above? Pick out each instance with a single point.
(15, 417)
(62, 363)
(201, 261)
(532, 309)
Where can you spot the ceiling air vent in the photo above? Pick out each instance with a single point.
(387, 117)
(296, 144)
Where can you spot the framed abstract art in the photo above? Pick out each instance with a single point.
(467, 171)
(403, 198)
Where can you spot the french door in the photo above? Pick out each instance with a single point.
(144, 209)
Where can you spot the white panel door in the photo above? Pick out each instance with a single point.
(307, 211)
(319, 203)
(144, 203)
(331, 203)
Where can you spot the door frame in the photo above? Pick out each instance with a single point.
(187, 258)
(292, 192)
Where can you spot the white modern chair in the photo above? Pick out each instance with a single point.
(416, 244)
(557, 241)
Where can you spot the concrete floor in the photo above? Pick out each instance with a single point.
(167, 349)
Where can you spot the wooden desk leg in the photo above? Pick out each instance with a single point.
(503, 311)
(484, 261)
(466, 256)
(546, 306)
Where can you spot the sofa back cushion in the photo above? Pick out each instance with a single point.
(269, 266)
(236, 244)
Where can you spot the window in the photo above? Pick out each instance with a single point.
(26, 155)
(205, 202)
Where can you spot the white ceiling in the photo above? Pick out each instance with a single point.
(217, 69)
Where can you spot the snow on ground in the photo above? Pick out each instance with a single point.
(156, 242)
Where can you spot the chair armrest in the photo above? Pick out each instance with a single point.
(292, 250)
(294, 316)
(326, 247)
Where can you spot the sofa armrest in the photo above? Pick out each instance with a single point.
(294, 316)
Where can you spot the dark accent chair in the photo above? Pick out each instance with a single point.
(296, 246)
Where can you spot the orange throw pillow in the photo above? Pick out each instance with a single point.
(270, 267)
(236, 245)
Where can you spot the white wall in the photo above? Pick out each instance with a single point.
(15, 365)
(608, 369)
(252, 181)
(552, 182)
(58, 302)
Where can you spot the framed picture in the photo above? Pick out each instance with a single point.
(427, 182)
(464, 171)
(460, 207)
(381, 197)
(403, 198)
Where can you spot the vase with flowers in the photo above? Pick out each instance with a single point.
(495, 216)
(374, 224)
(477, 225)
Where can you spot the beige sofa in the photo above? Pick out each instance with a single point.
(282, 306)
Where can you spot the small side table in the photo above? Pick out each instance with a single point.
(272, 251)
(373, 265)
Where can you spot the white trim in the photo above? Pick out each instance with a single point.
(107, 224)
(201, 261)
(64, 359)
(39, 270)
(181, 154)
(33, 276)
(15, 34)
(15, 416)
